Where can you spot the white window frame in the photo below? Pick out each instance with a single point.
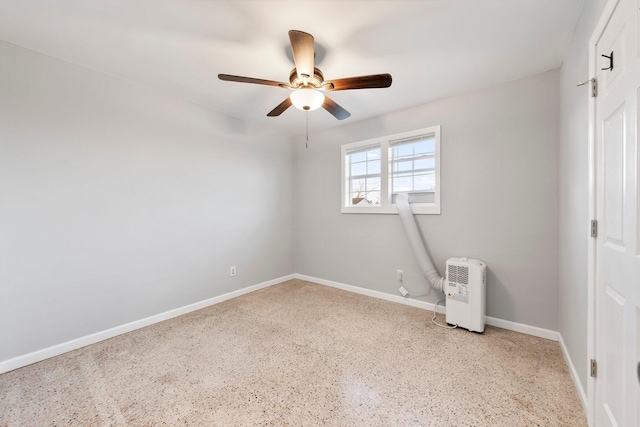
(385, 206)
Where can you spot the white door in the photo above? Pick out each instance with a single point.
(617, 205)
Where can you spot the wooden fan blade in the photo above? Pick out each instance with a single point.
(280, 108)
(240, 79)
(360, 82)
(302, 46)
(337, 111)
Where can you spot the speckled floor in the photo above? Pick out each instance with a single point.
(299, 354)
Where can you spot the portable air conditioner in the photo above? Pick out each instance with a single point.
(465, 290)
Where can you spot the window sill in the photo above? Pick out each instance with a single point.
(418, 209)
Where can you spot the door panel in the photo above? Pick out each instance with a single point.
(614, 360)
(613, 138)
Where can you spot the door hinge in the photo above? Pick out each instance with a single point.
(594, 228)
(594, 368)
(594, 86)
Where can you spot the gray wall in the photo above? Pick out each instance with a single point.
(117, 202)
(499, 200)
(574, 190)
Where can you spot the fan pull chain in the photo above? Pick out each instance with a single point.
(306, 145)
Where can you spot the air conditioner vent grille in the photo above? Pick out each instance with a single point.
(458, 274)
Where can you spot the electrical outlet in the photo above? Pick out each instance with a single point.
(400, 275)
(232, 271)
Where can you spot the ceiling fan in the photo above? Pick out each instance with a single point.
(307, 82)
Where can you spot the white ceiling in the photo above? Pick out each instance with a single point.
(432, 48)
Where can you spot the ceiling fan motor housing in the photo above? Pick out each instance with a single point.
(314, 82)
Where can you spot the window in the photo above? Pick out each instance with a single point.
(364, 177)
(376, 170)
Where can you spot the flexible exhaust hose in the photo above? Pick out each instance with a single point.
(420, 252)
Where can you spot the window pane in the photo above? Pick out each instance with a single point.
(358, 169)
(431, 163)
(357, 157)
(405, 166)
(421, 183)
(364, 183)
(421, 147)
(374, 197)
(430, 145)
(402, 183)
(404, 151)
(412, 164)
(423, 164)
(373, 184)
(424, 182)
(373, 167)
(358, 199)
(358, 185)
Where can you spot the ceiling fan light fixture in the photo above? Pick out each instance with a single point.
(306, 99)
(305, 80)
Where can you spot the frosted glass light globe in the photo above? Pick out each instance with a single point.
(307, 99)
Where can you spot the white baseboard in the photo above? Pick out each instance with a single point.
(504, 324)
(368, 292)
(574, 375)
(520, 327)
(38, 355)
